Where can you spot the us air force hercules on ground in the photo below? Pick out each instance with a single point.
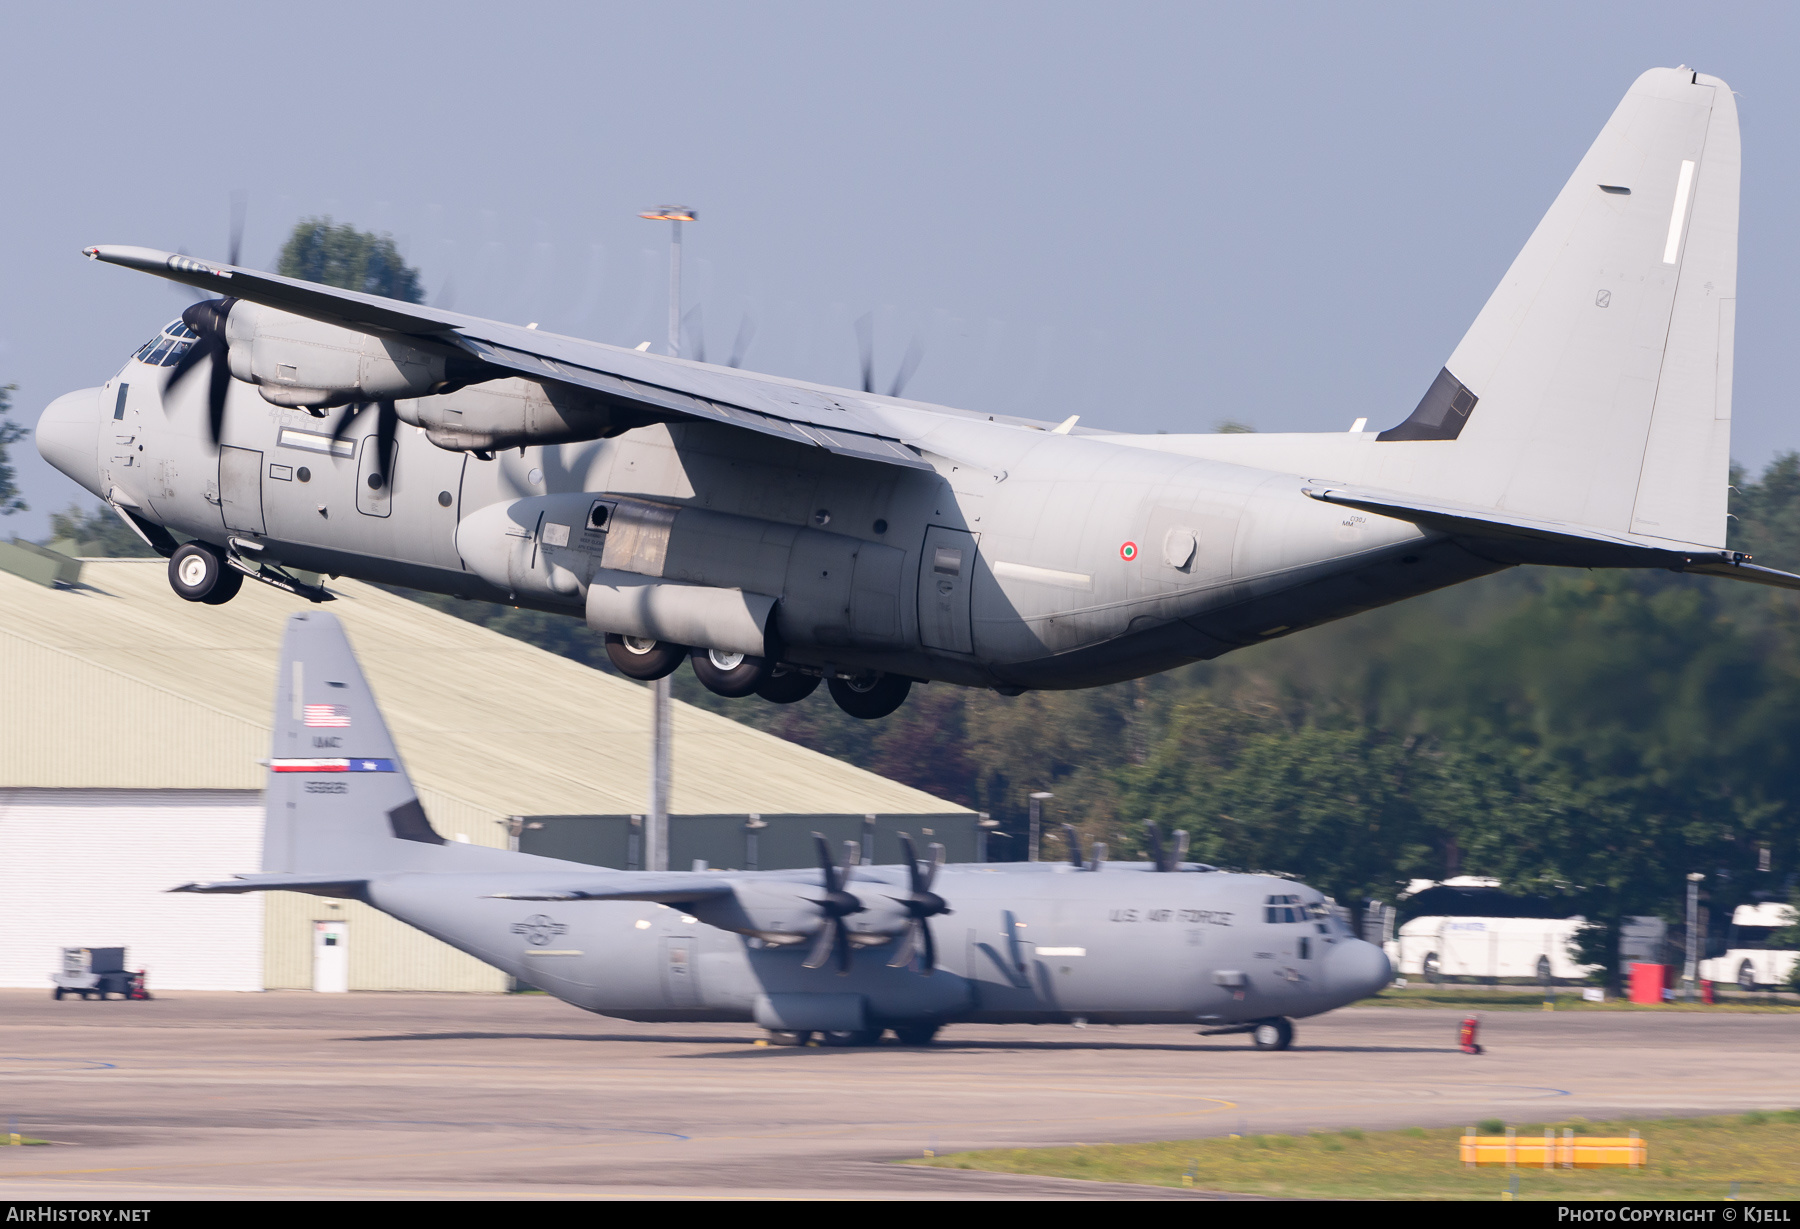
(843, 951)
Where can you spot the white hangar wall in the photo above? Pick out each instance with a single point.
(93, 868)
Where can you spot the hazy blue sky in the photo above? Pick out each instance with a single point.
(1156, 216)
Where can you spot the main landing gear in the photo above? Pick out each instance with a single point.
(905, 1034)
(734, 675)
(199, 573)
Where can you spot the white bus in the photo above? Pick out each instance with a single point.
(1751, 957)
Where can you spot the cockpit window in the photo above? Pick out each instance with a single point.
(167, 347)
(1283, 909)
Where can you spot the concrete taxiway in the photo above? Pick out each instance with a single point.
(292, 1095)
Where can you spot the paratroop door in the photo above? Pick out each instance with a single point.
(946, 573)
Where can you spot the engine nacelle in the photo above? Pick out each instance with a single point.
(305, 364)
(509, 413)
(786, 913)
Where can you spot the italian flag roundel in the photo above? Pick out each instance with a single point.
(1128, 552)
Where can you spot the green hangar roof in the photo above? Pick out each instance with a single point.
(119, 684)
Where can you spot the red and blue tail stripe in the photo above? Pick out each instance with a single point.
(331, 766)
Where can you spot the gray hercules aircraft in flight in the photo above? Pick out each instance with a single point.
(844, 951)
(777, 533)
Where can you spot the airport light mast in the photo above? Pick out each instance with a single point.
(1691, 972)
(656, 829)
(1037, 801)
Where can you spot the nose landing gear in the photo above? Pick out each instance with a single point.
(1275, 1033)
(198, 573)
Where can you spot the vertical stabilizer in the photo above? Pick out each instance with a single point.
(338, 797)
(1594, 388)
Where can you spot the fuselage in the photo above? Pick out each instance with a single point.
(1024, 559)
(1025, 943)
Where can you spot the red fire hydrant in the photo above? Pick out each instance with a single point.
(1465, 1036)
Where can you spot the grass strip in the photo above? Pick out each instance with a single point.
(1689, 1158)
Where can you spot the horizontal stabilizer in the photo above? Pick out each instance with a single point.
(1516, 539)
(663, 889)
(348, 886)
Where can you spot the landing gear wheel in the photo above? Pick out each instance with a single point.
(730, 674)
(787, 685)
(642, 659)
(916, 1034)
(198, 573)
(857, 1037)
(57, 994)
(780, 1037)
(1747, 977)
(872, 696)
(1276, 1033)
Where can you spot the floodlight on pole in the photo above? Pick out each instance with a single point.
(674, 215)
(656, 834)
(1037, 800)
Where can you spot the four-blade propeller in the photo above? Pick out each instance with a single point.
(1167, 858)
(920, 903)
(207, 319)
(865, 341)
(836, 905)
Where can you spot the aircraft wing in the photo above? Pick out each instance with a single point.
(664, 388)
(350, 886)
(663, 889)
(1529, 540)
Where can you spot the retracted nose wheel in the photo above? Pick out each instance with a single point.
(730, 674)
(787, 686)
(1276, 1033)
(637, 657)
(198, 572)
(871, 696)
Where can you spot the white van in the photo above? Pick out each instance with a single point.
(1751, 958)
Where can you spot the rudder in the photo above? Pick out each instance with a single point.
(338, 797)
(1594, 388)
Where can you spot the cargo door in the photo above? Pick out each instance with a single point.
(946, 568)
(240, 488)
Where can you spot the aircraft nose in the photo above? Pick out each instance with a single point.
(68, 434)
(1358, 969)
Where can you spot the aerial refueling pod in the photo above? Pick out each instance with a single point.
(306, 364)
